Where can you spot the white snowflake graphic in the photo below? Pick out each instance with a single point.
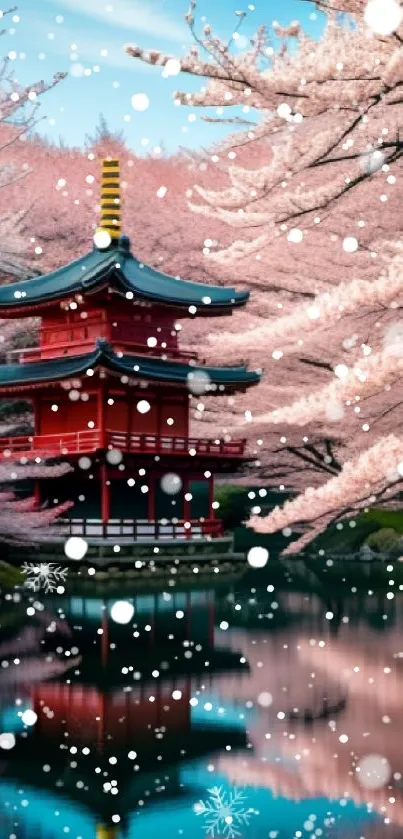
(43, 575)
(224, 813)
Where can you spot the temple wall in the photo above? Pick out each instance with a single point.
(167, 416)
(74, 331)
(70, 416)
(171, 409)
(117, 415)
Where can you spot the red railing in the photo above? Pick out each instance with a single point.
(141, 529)
(174, 445)
(79, 442)
(73, 442)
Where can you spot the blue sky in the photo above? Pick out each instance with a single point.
(86, 38)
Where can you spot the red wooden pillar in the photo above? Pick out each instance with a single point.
(130, 420)
(105, 495)
(186, 505)
(36, 410)
(159, 397)
(211, 496)
(101, 413)
(187, 414)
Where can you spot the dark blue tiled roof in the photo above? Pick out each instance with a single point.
(152, 369)
(116, 266)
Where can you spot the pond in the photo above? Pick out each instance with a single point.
(262, 706)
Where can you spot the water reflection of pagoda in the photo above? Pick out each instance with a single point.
(115, 732)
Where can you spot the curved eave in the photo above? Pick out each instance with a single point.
(76, 277)
(118, 268)
(37, 373)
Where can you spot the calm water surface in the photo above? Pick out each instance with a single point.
(243, 709)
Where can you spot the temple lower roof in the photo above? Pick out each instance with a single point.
(117, 267)
(214, 379)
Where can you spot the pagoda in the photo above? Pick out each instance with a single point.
(110, 390)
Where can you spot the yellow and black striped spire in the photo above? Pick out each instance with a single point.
(110, 198)
(104, 832)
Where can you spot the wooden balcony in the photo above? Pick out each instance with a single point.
(88, 441)
(174, 445)
(140, 530)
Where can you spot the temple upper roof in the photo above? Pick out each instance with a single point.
(116, 267)
(152, 369)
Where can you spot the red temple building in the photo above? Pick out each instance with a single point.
(110, 389)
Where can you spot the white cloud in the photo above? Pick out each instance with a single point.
(108, 52)
(93, 52)
(145, 16)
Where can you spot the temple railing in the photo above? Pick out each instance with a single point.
(174, 445)
(79, 442)
(73, 442)
(141, 530)
(43, 445)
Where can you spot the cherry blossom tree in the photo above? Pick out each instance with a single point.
(22, 522)
(18, 108)
(314, 209)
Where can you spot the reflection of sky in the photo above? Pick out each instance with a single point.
(211, 710)
(177, 818)
(269, 813)
(38, 812)
(10, 718)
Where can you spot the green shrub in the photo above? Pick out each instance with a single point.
(234, 505)
(9, 575)
(384, 540)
